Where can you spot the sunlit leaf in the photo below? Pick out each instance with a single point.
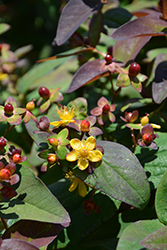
(156, 240)
(72, 17)
(161, 200)
(30, 206)
(135, 232)
(154, 162)
(121, 175)
(123, 80)
(87, 73)
(149, 25)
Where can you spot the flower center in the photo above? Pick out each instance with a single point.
(84, 152)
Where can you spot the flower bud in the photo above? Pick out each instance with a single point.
(30, 106)
(85, 126)
(144, 120)
(44, 123)
(5, 174)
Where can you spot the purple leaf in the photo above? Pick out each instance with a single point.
(73, 15)
(36, 232)
(130, 47)
(149, 25)
(15, 244)
(87, 73)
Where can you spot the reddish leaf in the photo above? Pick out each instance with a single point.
(130, 48)
(36, 232)
(73, 15)
(149, 25)
(87, 73)
(14, 244)
(95, 28)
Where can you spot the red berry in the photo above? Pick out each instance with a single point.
(147, 138)
(44, 92)
(5, 174)
(108, 58)
(16, 158)
(85, 125)
(52, 158)
(8, 109)
(134, 69)
(2, 143)
(53, 142)
(30, 106)
(106, 108)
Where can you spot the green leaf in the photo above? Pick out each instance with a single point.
(80, 105)
(154, 161)
(4, 27)
(135, 232)
(161, 200)
(136, 84)
(61, 152)
(121, 175)
(123, 80)
(35, 201)
(156, 240)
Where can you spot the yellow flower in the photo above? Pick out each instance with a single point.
(65, 115)
(3, 76)
(84, 152)
(76, 182)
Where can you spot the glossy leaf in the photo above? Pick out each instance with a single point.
(72, 17)
(15, 244)
(87, 73)
(149, 25)
(35, 232)
(113, 18)
(121, 175)
(95, 28)
(130, 48)
(29, 205)
(156, 240)
(161, 200)
(135, 232)
(154, 162)
(4, 27)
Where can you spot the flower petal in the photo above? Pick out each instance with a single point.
(72, 156)
(90, 143)
(83, 163)
(96, 111)
(102, 101)
(74, 184)
(95, 155)
(75, 144)
(82, 190)
(111, 117)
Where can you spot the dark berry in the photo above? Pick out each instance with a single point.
(2, 143)
(8, 109)
(106, 108)
(108, 58)
(134, 69)
(44, 92)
